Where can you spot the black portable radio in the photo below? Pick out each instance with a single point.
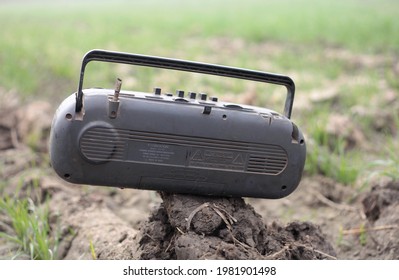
(182, 143)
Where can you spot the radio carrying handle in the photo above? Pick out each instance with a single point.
(188, 66)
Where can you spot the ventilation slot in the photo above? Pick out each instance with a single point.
(272, 163)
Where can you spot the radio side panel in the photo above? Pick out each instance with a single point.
(176, 147)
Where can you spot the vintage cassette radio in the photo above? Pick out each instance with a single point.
(180, 143)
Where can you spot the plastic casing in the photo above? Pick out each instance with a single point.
(177, 145)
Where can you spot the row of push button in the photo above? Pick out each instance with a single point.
(191, 95)
(203, 98)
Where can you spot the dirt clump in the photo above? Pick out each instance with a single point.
(8, 121)
(89, 229)
(24, 125)
(196, 227)
(380, 198)
(342, 127)
(381, 206)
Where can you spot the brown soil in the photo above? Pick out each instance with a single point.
(194, 227)
(321, 220)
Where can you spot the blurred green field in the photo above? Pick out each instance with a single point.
(343, 56)
(42, 43)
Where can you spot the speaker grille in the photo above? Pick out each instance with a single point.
(102, 144)
(272, 163)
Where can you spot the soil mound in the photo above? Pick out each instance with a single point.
(195, 227)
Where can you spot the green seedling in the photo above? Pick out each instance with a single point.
(31, 228)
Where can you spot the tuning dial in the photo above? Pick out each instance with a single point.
(203, 96)
(192, 95)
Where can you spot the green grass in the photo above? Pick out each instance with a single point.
(320, 44)
(42, 44)
(388, 164)
(340, 167)
(92, 250)
(32, 232)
